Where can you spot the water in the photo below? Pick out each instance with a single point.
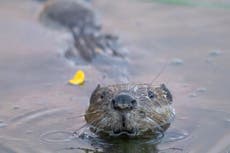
(39, 111)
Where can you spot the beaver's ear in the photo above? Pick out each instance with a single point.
(167, 92)
(94, 93)
(98, 86)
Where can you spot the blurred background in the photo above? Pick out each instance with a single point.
(39, 110)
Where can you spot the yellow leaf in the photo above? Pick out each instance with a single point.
(78, 78)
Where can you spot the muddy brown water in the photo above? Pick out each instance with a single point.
(39, 111)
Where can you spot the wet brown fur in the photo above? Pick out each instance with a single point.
(153, 114)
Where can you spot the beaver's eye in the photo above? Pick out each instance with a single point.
(103, 94)
(151, 94)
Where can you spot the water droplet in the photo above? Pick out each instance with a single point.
(215, 53)
(3, 124)
(29, 132)
(198, 92)
(16, 107)
(201, 90)
(177, 61)
(192, 95)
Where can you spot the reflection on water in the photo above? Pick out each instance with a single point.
(113, 144)
(127, 145)
(39, 111)
(116, 145)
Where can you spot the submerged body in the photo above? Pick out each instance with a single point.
(81, 20)
(134, 110)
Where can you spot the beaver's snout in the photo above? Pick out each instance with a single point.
(123, 102)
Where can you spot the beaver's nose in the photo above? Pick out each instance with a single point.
(123, 102)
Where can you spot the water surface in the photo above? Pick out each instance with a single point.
(39, 111)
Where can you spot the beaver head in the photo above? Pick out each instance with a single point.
(135, 110)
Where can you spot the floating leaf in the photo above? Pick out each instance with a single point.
(78, 78)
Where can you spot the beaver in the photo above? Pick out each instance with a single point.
(133, 110)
